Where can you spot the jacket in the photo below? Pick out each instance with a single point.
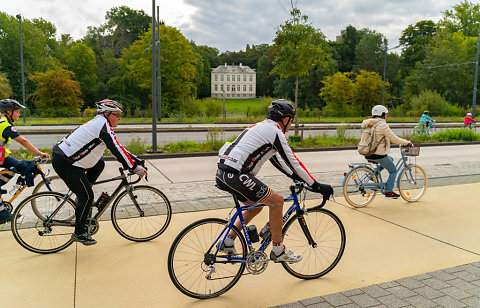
(381, 131)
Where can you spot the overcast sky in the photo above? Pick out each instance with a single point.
(231, 25)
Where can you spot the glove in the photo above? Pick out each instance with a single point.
(325, 189)
(140, 171)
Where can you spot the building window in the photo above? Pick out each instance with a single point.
(221, 87)
(221, 77)
(216, 88)
(244, 77)
(238, 87)
(233, 77)
(228, 95)
(233, 88)
(250, 88)
(238, 77)
(251, 78)
(244, 95)
(228, 87)
(216, 77)
(244, 88)
(228, 77)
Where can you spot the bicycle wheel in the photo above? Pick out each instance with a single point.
(413, 183)
(57, 185)
(355, 189)
(187, 258)
(35, 234)
(327, 232)
(145, 222)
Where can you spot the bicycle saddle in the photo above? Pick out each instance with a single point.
(372, 162)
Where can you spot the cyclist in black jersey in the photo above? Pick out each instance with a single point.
(241, 160)
(77, 160)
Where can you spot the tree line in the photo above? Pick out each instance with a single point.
(432, 69)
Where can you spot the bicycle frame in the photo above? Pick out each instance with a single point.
(295, 207)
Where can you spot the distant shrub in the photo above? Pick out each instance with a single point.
(433, 102)
(213, 107)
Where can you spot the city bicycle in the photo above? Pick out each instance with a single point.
(427, 128)
(200, 270)
(48, 183)
(363, 181)
(44, 222)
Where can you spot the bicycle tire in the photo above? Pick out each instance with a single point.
(186, 260)
(412, 189)
(27, 226)
(328, 233)
(57, 185)
(141, 227)
(354, 192)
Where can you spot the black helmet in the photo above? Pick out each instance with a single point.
(281, 108)
(426, 112)
(10, 104)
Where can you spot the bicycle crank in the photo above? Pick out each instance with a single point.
(92, 226)
(257, 262)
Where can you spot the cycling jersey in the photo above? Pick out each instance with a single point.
(7, 133)
(84, 146)
(257, 144)
(425, 118)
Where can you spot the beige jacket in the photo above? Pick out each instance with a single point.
(383, 130)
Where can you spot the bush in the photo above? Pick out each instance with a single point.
(433, 102)
(215, 139)
(213, 107)
(449, 135)
(190, 107)
(136, 146)
(89, 112)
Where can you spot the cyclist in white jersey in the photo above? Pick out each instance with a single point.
(241, 160)
(77, 160)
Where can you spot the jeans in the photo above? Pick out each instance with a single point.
(10, 162)
(387, 163)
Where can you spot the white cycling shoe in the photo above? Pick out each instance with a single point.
(227, 249)
(286, 256)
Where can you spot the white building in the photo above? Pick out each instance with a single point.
(233, 81)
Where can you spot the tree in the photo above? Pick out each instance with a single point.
(337, 93)
(464, 17)
(344, 50)
(80, 59)
(57, 93)
(414, 41)
(370, 51)
(368, 91)
(299, 48)
(5, 90)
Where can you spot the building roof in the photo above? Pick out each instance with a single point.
(233, 69)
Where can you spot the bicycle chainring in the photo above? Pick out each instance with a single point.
(8, 206)
(92, 226)
(257, 262)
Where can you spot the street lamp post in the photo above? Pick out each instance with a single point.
(385, 72)
(19, 17)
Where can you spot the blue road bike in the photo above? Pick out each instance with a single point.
(363, 181)
(200, 270)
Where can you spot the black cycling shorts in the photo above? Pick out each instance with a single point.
(246, 187)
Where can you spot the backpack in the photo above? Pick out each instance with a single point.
(367, 145)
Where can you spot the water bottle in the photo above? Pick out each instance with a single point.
(252, 233)
(265, 232)
(102, 201)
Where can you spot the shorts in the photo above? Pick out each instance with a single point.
(246, 187)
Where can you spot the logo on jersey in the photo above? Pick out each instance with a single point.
(247, 181)
(14, 129)
(230, 175)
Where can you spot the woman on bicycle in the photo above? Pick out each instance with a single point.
(241, 160)
(10, 110)
(469, 121)
(384, 136)
(77, 160)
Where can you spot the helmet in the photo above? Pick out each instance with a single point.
(108, 105)
(426, 112)
(379, 110)
(280, 109)
(10, 104)
(469, 114)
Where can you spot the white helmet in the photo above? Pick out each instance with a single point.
(108, 105)
(469, 114)
(379, 110)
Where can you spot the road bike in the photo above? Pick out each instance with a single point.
(200, 270)
(363, 181)
(44, 222)
(48, 183)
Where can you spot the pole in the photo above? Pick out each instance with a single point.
(23, 74)
(476, 78)
(224, 112)
(384, 76)
(159, 72)
(154, 77)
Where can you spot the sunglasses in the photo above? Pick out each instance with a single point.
(118, 115)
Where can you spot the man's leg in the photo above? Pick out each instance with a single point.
(94, 172)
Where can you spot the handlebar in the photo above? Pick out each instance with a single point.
(297, 188)
(130, 173)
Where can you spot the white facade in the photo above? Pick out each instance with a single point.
(233, 81)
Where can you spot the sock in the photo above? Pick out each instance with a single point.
(278, 248)
(229, 241)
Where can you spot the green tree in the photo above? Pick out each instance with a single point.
(5, 90)
(299, 48)
(414, 41)
(464, 17)
(370, 51)
(337, 93)
(80, 59)
(368, 91)
(57, 93)
(344, 50)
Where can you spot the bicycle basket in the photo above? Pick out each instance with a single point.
(411, 151)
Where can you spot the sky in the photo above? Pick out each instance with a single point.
(231, 25)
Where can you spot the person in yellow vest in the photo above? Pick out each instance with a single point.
(10, 110)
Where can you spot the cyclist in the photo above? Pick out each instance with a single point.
(383, 136)
(77, 160)
(469, 121)
(241, 160)
(426, 120)
(10, 110)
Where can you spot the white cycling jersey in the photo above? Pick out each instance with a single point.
(257, 144)
(85, 146)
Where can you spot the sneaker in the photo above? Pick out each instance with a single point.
(227, 249)
(5, 216)
(84, 238)
(286, 256)
(391, 194)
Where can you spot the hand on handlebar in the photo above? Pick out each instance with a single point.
(325, 189)
(44, 155)
(140, 171)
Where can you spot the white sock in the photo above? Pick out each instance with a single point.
(277, 249)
